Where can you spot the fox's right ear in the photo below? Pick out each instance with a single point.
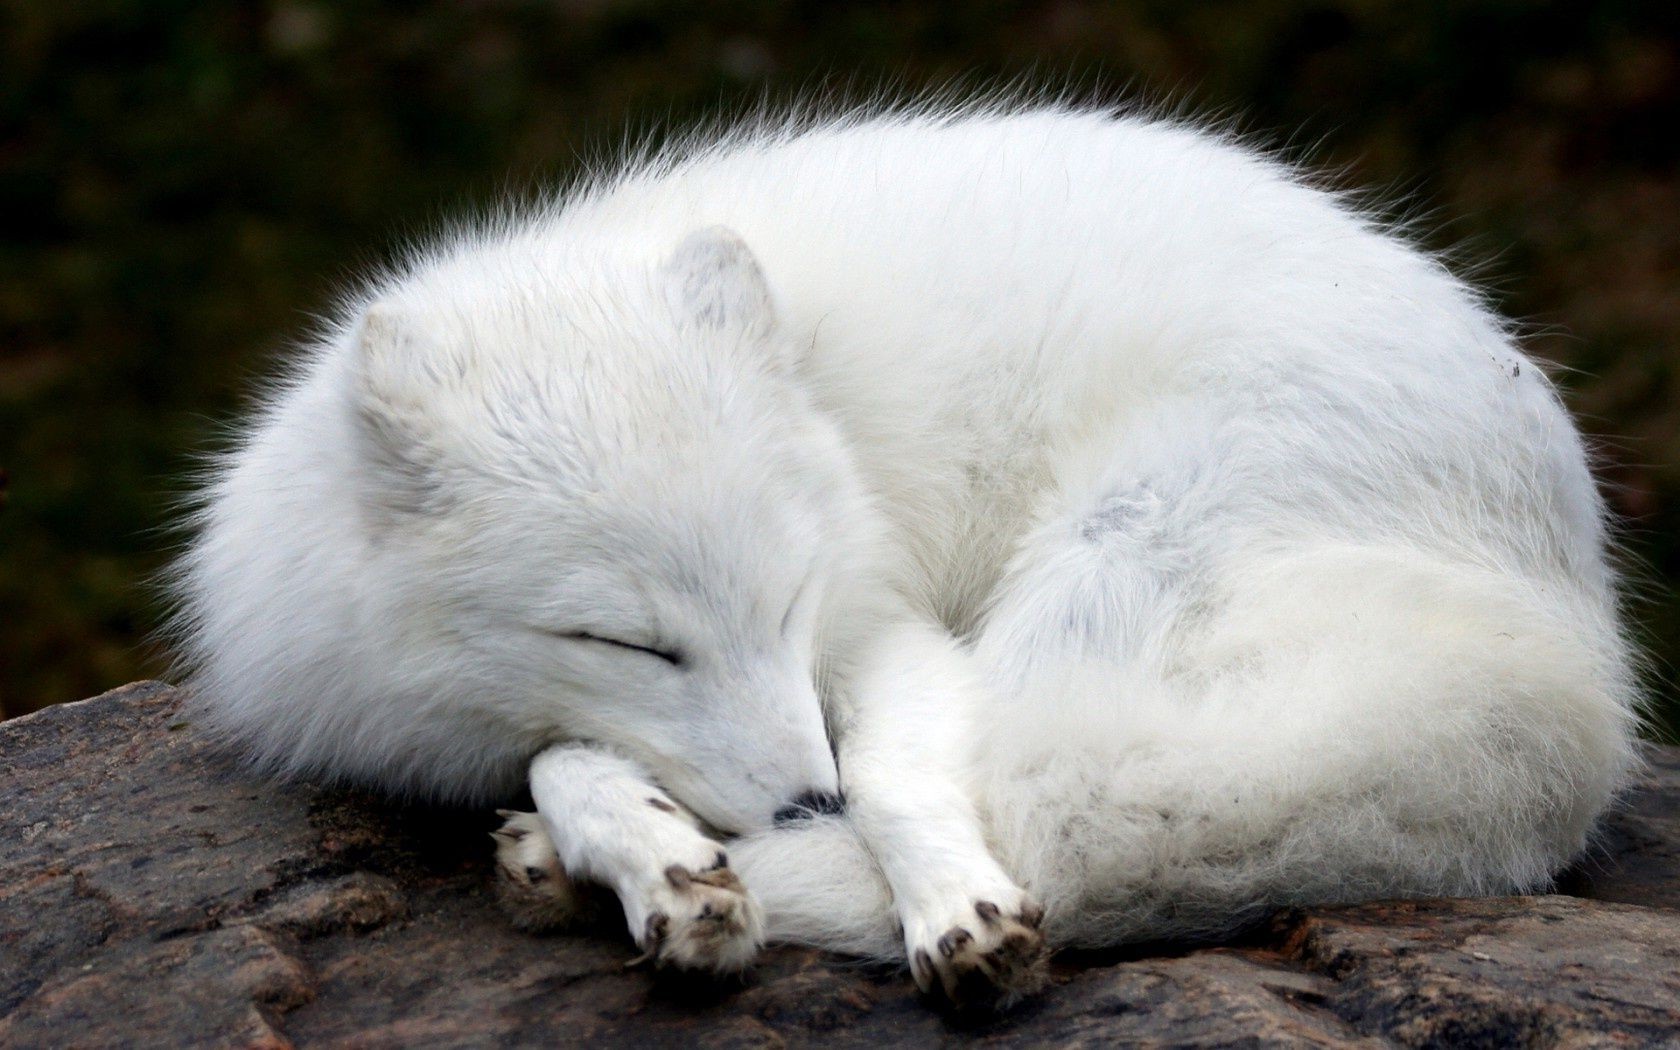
(391, 365)
(714, 281)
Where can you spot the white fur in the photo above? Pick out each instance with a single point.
(1121, 507)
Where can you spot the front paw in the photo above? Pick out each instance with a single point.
(703, 921)
(981, 957)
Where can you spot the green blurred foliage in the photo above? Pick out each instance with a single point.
(184, 184)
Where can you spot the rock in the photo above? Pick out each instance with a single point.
(154, 893)
(1550, 971)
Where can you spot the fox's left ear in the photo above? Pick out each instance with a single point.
(396, 366)
(715, 282)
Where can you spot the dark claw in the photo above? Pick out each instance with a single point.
(678, 876)
(1032, 915)
(988, 911)
(657, 925)
(953, 940)
(924, 967)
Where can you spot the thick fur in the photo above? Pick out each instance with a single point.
(1145, 519)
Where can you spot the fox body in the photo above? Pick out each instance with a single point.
(1136, 535)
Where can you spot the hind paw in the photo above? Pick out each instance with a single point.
(532, 888)
(702, 921)
(987, 959)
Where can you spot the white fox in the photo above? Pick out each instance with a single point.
(1134, 536)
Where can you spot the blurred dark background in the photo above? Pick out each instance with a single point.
(183, 185)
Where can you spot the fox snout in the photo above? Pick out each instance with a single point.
(738, 799)
(812, 803)
(760, 755)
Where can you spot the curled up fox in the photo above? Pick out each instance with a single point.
(935, 534)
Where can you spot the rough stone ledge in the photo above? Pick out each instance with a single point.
(153, 893)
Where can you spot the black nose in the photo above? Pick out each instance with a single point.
(809, 804)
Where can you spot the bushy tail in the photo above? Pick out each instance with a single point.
(819, 886)
(1352, 724)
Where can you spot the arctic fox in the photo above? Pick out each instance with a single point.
(936, 535)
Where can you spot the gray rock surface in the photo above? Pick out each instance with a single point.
(152, 893)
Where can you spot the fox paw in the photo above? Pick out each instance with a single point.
(533, 889)
(987, 960)
(703, 921)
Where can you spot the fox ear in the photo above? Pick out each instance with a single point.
(715, 282)
(390, 372)
(381, 341)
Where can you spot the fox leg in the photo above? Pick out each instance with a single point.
(599, 819)
(969, 930)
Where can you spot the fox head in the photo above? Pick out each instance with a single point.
(612, 507)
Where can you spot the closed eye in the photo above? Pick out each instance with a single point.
(793, 606)
(670, 656)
